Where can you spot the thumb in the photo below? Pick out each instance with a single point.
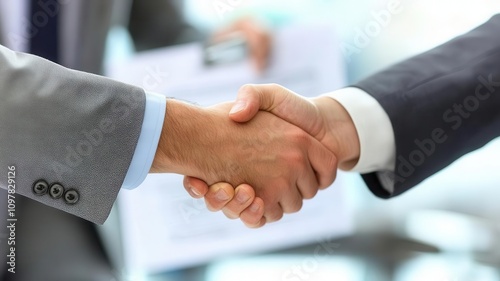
(252, 98)
(279, 101)
(195, 187)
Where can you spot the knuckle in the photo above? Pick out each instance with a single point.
(247, 215)
(282, 186)
(247, 88)
(331, 173)
(274, 217)
(299, 136)
(328, 175)
(295, 158)
(210, 206)
(277, 86)
(332, 179)
(333, 162)
(309, 193)
(295, 207)
(250, 220)
(229, 214)
(254, 225)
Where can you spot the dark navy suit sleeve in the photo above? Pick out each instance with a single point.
(442, 104)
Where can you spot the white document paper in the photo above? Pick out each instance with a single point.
(162, 227)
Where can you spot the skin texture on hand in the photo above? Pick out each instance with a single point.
(322, 117)
(279, 160)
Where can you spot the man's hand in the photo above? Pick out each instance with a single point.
(239, 202)
(322, 117)
(282, 162)
(257, 36)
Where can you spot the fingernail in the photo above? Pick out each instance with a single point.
(238, 106)
(195, 192)
(254, 208)
(242, 197)
(222, 195)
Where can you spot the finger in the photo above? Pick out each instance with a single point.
(252, 98)
(195, 187)
(257, 36)
(244, 196)
(218, 196)
(291, 201)
(247, 104)
(253, 216)
(260, 224)
(290, 198)
(259, 41)
(273, 213)
(279, 101)
(307, 183)
(324, 162)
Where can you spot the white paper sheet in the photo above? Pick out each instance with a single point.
(162, 227)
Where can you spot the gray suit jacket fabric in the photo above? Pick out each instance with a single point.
(48, 113)
(68, 127)
(442, 104)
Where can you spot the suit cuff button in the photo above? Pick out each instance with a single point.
(40, 187)
(71, 196)
(56, 191)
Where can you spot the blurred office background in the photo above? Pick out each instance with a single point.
(445, 229)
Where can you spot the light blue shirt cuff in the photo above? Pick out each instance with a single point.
(145, 150)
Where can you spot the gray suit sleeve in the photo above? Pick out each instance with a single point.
(69, 129)
(442, 104)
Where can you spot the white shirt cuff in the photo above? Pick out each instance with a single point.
(374, 128)
(147, 144)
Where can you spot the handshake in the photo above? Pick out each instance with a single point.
(260, 156)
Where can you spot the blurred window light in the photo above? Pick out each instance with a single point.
(288, 268)
(217, 12)
(450, 231)
(445, 268)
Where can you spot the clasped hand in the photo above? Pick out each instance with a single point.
(287, 149)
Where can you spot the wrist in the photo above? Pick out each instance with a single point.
(190, 142)
(341, 134)
(178, 141)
